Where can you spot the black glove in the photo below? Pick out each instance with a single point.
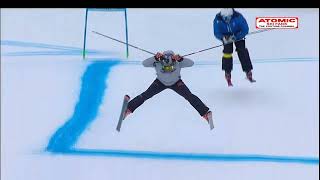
(177, 57)
(158, 56)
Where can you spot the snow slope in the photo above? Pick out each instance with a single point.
(59, 112)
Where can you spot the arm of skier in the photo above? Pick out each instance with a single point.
(152, 60)
(244, 29)
(216, 29)
(149, 62)
(184, 62)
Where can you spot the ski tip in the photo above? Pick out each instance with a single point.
(230, 85)
(211, 126)
(251, 80)
(211, 121)
(127, 96)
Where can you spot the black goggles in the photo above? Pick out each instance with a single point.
(167, 57)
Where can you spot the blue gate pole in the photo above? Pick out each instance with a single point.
(85, 35)
(126, 21)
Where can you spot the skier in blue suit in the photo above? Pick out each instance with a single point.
(230, 27)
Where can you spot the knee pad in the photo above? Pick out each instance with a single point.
(227, 55)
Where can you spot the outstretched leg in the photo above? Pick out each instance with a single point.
(180, 88)
(155, 88)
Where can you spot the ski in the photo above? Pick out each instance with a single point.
(249, 77)
(229, 83)
(251, 80)
(210, 120)
(123, 110)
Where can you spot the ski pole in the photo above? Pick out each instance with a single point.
(253, 32)
(124, 43)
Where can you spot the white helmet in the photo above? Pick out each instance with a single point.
(226, 13)
(168, 52)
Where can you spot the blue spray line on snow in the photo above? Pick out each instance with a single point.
(194, 156)
(55, 53)
(68, 50)
(265, 60)
(92, 91)
(255, 61)
(53, 49)
(36, 45)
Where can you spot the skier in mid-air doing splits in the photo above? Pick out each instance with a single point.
(168, 66)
